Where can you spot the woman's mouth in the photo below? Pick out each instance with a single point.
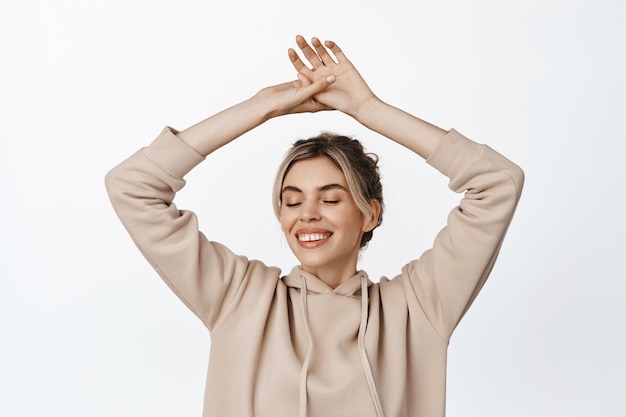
(313, 237)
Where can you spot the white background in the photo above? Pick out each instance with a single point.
(88, 329)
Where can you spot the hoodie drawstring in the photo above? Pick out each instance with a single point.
(304, 372)
(369, 376)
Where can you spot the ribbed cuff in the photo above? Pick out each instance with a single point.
(172, 154)
(454, 154)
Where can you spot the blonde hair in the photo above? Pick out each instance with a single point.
(358, 167)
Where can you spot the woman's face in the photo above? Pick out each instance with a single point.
(321, 221)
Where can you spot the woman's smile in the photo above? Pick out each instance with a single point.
(309, 238)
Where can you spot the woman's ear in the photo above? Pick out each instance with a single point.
(372, 221)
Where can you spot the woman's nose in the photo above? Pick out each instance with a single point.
(309, 212)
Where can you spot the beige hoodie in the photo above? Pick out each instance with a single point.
(286, 346)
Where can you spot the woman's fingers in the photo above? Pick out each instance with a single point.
(303, 97)
(316, 87)
(308, 52)
(297, 62)
(309, 88)
(318, 55)
(336, 51)
(322, 52)
(304, 81)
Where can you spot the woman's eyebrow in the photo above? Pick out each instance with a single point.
(332, 187)
(291, 188)
(326, 187)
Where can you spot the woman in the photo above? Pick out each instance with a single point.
(322, 340)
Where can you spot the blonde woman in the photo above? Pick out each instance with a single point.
(322, 340)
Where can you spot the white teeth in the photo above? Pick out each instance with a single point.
(312, 237)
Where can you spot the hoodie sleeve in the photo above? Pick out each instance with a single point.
(205, 275)
(447, 278)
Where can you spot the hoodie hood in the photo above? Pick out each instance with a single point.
(350, 288)
(356, 286)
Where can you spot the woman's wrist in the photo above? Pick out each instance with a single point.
(401, 127)
(366, 112)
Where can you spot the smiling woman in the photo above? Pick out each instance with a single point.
(322, 340)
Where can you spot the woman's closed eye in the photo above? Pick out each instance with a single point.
(325, 201)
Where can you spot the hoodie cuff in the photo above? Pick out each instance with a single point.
(172, 154)
(454, 154)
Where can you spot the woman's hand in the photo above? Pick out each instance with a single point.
(347, 93)
(295, 96)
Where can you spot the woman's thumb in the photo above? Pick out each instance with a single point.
(321, 84)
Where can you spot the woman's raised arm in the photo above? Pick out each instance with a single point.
(223, 127)
(447, 278)
(205, 275)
